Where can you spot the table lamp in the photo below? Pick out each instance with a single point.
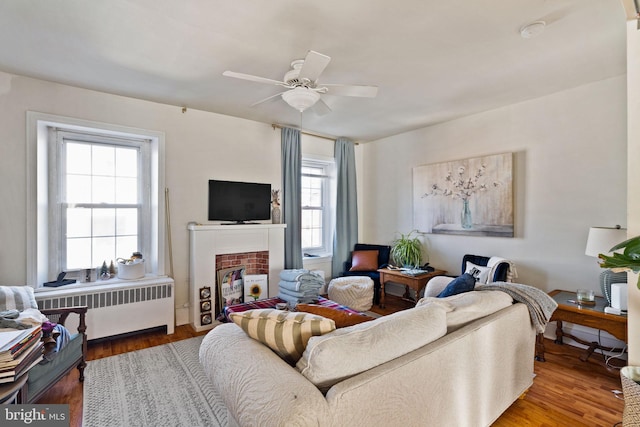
(600, 241)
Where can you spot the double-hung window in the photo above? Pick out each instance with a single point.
(101, 197)
(316, 207)
(95, 194)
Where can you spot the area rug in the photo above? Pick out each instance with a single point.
(158, 386)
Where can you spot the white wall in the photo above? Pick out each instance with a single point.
(199, 146)
(569, 175)
(633, 198)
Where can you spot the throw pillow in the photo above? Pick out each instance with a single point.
(284, 332)
(480, 273)
(364, 261)
(17, 298)
(346, 352)
(460, 284)
(341, 317)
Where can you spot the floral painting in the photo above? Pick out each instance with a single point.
(468, 197)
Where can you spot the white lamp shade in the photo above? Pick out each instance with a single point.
(301, 98)
(602, 239)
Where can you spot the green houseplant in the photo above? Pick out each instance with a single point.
(406, 250)
(628, 260)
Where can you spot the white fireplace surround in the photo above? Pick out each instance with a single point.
(208, 241)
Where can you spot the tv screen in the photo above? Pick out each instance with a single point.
(239, 201)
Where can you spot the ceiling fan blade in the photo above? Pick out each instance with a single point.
(351, 90)
(252, 78)
(321, 108)
(267, 99)
(314, 65)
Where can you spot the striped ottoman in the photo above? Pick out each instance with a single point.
(353, 291)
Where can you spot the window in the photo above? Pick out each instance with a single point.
(95, 194)
(100, 195)
(316, 207)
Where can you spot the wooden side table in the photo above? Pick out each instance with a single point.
(591, 316)
(417, 283)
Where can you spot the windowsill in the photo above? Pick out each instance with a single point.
(113, 284)
(318, 258)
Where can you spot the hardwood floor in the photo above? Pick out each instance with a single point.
(565, 391)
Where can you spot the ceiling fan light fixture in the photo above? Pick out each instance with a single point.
(532, 30)
(301, 98)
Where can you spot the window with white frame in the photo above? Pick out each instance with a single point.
(95, 196)
(316, 207)
(101, 198)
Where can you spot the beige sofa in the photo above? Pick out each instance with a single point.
(478, 362)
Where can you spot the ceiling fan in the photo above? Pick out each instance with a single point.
(303, 90)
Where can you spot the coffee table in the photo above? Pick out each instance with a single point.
(417, 282)
(591, 316)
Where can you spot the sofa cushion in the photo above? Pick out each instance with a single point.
(286, 333)
(464, 308)
(479, 272)
(364, 261)
(460, 284)
(345, 352)
(340, 317)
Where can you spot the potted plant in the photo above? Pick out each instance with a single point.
(628, 260)
(406, 251)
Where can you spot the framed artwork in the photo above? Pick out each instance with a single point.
(230, 286)
(255, 287)
(465, 197)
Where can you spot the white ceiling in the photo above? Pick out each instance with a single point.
(433, 60)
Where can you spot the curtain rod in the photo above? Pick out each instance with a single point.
(332, 138)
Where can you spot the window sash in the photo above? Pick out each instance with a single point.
(58, 193)
(316, 238)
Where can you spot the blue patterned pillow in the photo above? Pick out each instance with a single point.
(460, 284)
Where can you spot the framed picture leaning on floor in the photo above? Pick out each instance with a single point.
(230, 286)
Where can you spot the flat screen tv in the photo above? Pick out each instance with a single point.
(239, 202)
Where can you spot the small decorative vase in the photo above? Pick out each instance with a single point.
(465, 217)
(275, 215)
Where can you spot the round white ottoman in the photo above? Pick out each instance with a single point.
(355, 292)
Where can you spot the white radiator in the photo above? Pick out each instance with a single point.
(116, 308)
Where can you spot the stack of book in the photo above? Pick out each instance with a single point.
(20, 350)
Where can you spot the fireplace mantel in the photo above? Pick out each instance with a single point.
(208, 241)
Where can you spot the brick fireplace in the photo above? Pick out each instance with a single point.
(259, 247)
(256, 262)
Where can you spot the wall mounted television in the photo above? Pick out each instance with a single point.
(239, 202)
